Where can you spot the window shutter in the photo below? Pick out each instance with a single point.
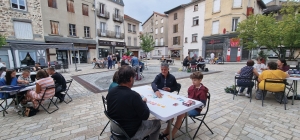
(237, 3)
(54, 4)
(50, 3)
(72, 6)
(178, 40)
(216, 7)
(215, 29)
(23, 30)
(56, 28)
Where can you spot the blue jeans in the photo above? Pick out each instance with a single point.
(244, 85)
(109, 64)
(113, 63)
(193, 113)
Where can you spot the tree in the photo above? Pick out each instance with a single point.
(2, 40)
(276, 35)
(147, 43)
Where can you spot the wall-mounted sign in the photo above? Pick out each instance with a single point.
(111, 43)
(234, 42)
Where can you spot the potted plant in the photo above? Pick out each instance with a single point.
(262, 55)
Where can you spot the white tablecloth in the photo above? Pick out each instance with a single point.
(31, 73)
(28, 88)
(164, 108)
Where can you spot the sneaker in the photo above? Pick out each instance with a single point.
(241, 94)
(247, 95)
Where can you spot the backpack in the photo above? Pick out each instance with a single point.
(108, 58)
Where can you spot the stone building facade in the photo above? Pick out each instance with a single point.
(21, 22)
(132, 33)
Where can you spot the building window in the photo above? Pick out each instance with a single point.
(195, 21)
(135, 41)
(185, 39)
(156, 31)
(19, 4)
(196, 7)
(215, 27)
(156, 22)
(129, 41)
(87, 31)
(103, 28)
(237, 3)
(23, 30)
(117, 12)
(52, 3)
(162, 41)
(176, 40)
(102, 8)
(161, 29)
(70, 6)
(72, 29)
(175, 16)
(235, 22)
(85, 9)
(194, 37)
(54, 27)
(129, 27)
(134, 28)
(162, 20)
(156, 42)
(175, 28)
(217, 4)
(118, 31)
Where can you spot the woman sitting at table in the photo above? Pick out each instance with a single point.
(277, 88)
(282, 65)
(202, 66)
(193, 63)
(163, 59)
(43, 81)
(25, 77)
(96, 63)
(186, 62)
(9, 79)
(115, 81)
(259, 66)
(247, 72)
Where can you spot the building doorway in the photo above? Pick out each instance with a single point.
(62, 55)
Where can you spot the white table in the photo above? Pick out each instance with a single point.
(31, 73)
(164, 108)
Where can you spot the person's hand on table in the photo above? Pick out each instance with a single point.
(166, 89)
(158, 94)
(26, 82)
(145, 99)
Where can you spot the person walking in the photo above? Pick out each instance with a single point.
(118, 59)
(109, 61)
(114, 60)
(212, 58)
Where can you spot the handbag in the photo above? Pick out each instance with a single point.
(30, 111)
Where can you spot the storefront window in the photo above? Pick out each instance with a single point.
(175, 53)
(62, 55)
(27, 57)
(193, 53)
(120, 52)
(217, 49)
(4, 59)
(103, 52)
(83, 56)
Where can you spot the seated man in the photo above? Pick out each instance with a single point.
(164, 81)
(60, 83)
(272, 73)
(201, 64)
(128, 108)
(37, 67)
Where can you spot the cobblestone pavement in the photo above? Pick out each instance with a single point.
(229, 119)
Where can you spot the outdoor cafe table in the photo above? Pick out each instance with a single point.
(295, 83)
(16, 91)
(163, 108)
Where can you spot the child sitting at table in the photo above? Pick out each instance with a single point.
(198, 92)
(25, 77)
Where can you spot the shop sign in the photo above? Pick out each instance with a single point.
(234, 42)
(214, 41)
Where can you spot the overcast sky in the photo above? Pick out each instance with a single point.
(142, 9)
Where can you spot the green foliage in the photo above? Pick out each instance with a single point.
(2, 40)
(262, 54)
(147, 43)
(275, 35)
(128, 53)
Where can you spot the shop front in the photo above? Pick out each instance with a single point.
(6, 57)
(106, 47)
(134, 50)
(175, 52)
(226, 45)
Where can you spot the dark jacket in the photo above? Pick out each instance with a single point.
(193, 62)
(127, 108)
(185, 61)
(159, 82)
(199, 94)
(59, 80)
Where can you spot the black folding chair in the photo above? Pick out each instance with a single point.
(178, 88)
(235, 85)
(51, 100)
(274, 81)
(118, 133)
(201, 117)
(66, 92)
(104, 105)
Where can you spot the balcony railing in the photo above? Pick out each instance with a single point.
(134, 31)
(118, 18)
(159, 44)
(110, 34)
(103, 14)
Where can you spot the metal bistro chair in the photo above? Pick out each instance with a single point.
(275, 81)
(235, 85)
(66, 91)
(105, 109)
(201, 117)
(51, 101)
